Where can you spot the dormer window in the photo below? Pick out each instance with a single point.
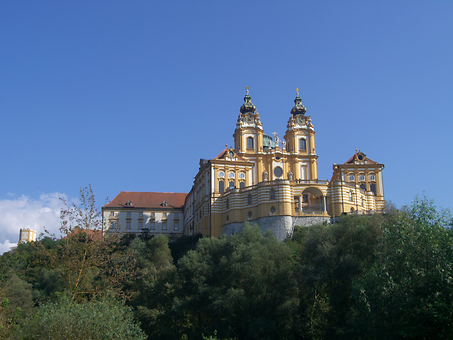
(129, 203)
(164, 203)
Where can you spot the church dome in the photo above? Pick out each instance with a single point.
(248, 105)
(298, 108)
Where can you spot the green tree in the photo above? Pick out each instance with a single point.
(16, 303)
(407, 292)
(104, 318)
(240, 286)
(330, 259)
(89, 261)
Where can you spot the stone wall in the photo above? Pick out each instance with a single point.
(281, 226)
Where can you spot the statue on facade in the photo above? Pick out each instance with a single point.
(290, 176)
(266, 175)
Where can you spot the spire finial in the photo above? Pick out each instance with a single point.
(248, 105)
(298, 108)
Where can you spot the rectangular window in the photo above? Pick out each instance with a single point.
(140, 225)
(164, 225)
(152, 226)
(128, 225)
(305, 198)
(176, 216)
(128, 214)
(303, 171)
(164, 215)
(176, 226)
(152, 215)
(112, 213)
(140, 214)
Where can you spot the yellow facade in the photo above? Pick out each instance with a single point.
(274, 182)
(27, 235)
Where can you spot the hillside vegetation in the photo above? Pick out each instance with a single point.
(366, 277)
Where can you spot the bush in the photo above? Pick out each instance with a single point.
(96, 319)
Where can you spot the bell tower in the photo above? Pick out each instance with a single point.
(300, 141)
(248, 135)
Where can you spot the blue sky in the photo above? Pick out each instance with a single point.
(130, 95)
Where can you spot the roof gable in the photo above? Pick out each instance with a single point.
(359, 158)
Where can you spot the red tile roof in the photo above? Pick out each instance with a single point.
(92, 234)
(221, 154)
(366, 159)
(148, 200)
(224, 151)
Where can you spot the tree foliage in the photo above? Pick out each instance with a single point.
(407, 292)
(104, 318)
(363, 277)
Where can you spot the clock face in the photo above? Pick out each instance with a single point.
(249, 120)
(300, 120)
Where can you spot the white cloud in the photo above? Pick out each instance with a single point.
(6, 246)
(24, 212)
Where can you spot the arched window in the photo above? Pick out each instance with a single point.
(249, 142)
(373, 188)
(249, 199)
(242, 185)
(363, 186)
(221, 186)
(351, 196)
(231, 185)
(302, 144)
(272, 194)
(228, 203)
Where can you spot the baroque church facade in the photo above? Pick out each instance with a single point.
(268, 181)
(274, 183)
